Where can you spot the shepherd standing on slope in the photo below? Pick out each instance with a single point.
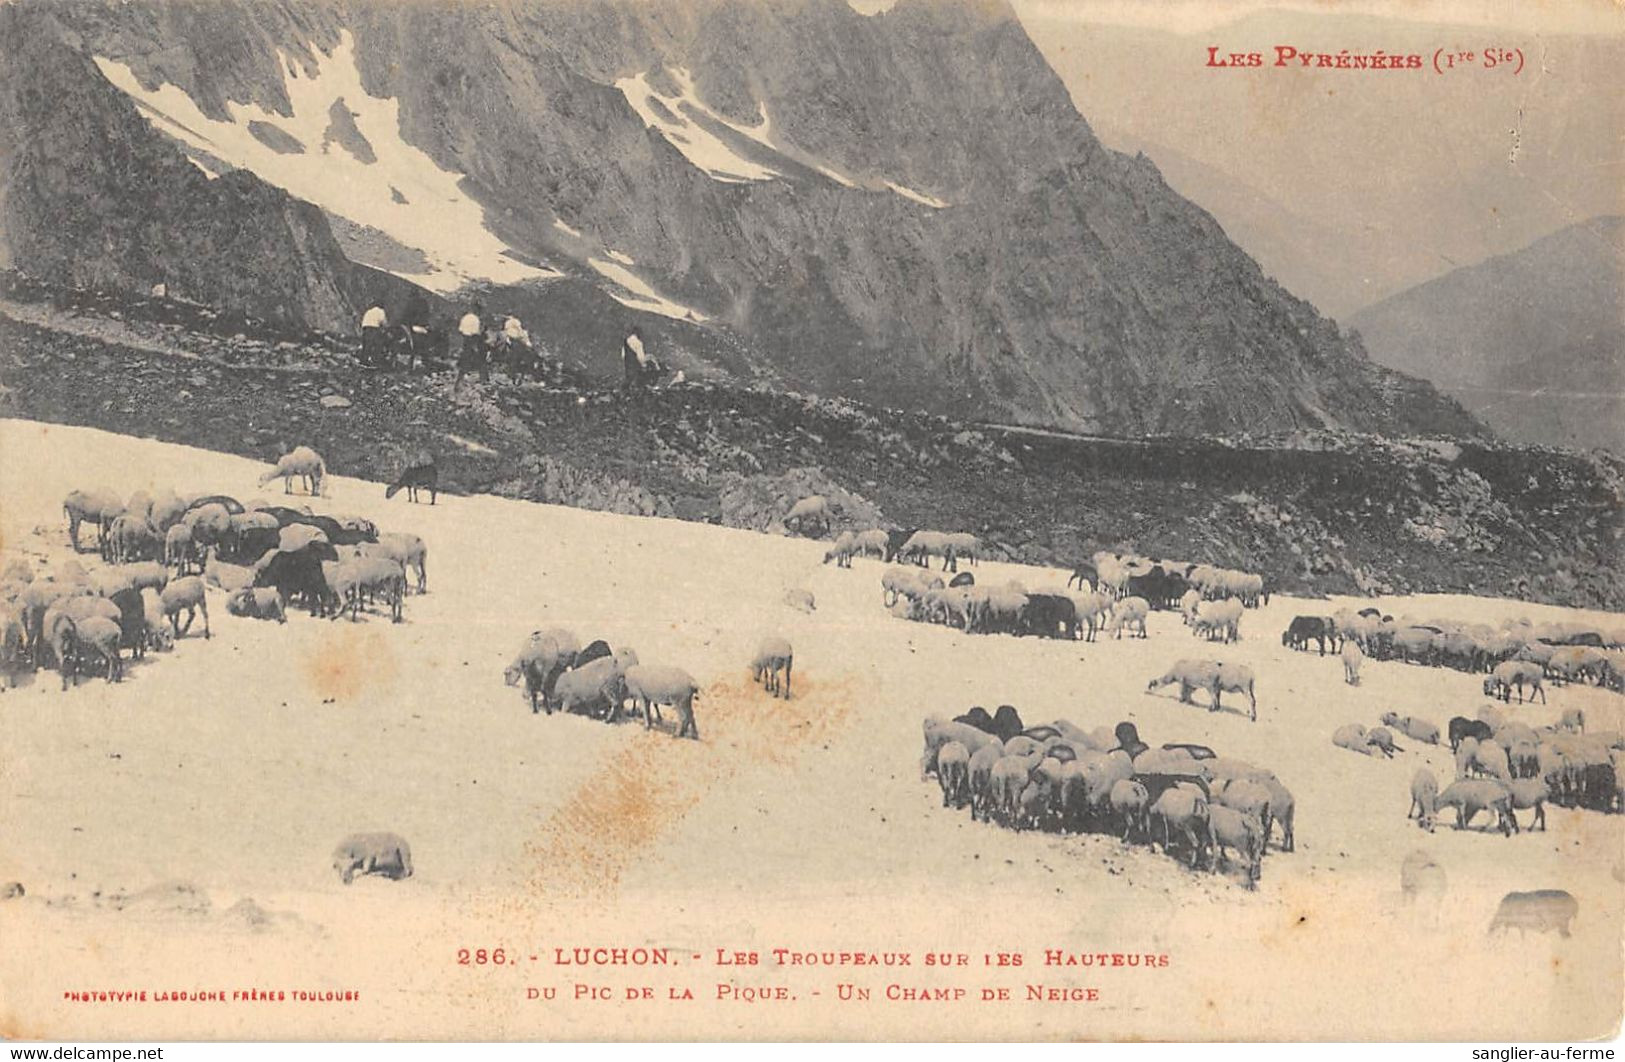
(373, 323)
(473, 354)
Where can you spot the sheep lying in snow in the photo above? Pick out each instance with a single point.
(1424, 799)
(653, 685)
(1353, 737)
(1416, 729)
(185, 594)
(263, 603)
(773, 657)
(373, 853)
(228, 577)
(1380, 739)
(302, 462)
(800, 600)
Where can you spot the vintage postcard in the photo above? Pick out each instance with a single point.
(805, 519)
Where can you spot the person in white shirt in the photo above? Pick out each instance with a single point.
(373, 323)
(474, 354)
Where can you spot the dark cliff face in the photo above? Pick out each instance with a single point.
(1061, 283)
(92, 196)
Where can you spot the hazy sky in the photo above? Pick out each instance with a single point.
(1431, 171)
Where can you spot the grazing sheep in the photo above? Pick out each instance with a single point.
(980, 772)
(1244, 833)
(845, 547)
(1424, 799)
(185, 594)
(421, 473)
(1183, 810)
(1283, 809)
(178, 551)
(1250, 796)
(594, 688)
(1352, 659)
(373, 853)
(101, 636)
(302, 462)
(539, 663)
(131, 538)
(1130, 612)
(262, 603)
(1541, 911)
(773, 657)
(1491, 759)
(1130, 802)
(872, 541)
(1469, 796)
(1519, 673)
(1421, 873)
(809, 511)
(1573, 719)
(965, 546)
(410, 552)
(1466, 750)
(953, 774)
(652, 685)
(1461, 727)
(1221, 619)
(1416, 729)
(938, 732)
(1236, 678)
(1529, 793)
(97, 507)
(159, 636)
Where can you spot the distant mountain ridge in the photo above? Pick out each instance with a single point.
(1533, 342)
(903, 208)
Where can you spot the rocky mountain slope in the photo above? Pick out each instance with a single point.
(1319, 512)
(1533, 342)
(904, 208)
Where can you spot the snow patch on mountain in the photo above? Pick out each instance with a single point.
(637, 294)
(918, 197)
(400, 191)
(699, 145)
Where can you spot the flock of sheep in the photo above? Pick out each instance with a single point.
(1518, 655)
(1061, 777)
(161, 554)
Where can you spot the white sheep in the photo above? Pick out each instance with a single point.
(1130, 801)
(411, 552)
(159, 636)
(773, 657)
(652, 685)
(185, 594)
(875, 540)
(810, 510)
(966, 546)
(980, 773)
(1130, 612)
(178, 552)
(1424, 799)
(953, 774)
(843, 550)
(1352, 659)
(303, 462)
(1242, 832)
(1353, 737)
(228, 577)
(1221, 619)
(100, 635)
(800, 600)
(372, 853)
(591, 688)
(257, 603)
(538, 663)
